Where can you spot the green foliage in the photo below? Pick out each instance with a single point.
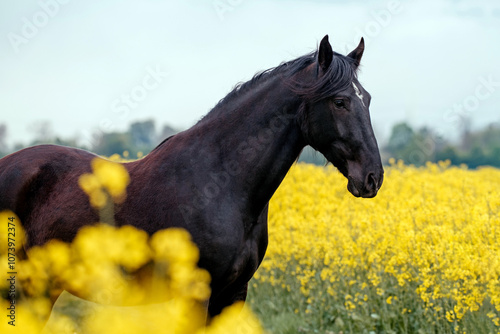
(113, 143)
(143, 134)
(416, 147)
(140, 137)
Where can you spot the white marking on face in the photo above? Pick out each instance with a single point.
(358, 93)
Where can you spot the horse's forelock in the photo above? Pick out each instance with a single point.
(339, 75)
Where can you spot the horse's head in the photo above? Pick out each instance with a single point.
(335, 119)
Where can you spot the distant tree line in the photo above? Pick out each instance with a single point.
(140, 138)
(417, 146)
(413, 146)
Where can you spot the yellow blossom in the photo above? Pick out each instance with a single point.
(111, 175)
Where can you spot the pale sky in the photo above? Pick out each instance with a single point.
(74, 63)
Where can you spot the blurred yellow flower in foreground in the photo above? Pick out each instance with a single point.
(113, 176)
(115, 267)
(108, 176)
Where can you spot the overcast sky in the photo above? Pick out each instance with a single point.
(90, 66)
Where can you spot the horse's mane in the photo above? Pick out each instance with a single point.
(339, 76)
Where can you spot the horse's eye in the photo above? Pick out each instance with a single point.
(339, 103)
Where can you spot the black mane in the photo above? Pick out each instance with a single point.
(338, 77)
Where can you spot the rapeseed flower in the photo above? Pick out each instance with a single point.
(430, 240)
(108, 177)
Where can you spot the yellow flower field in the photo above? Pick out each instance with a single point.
(421, 257)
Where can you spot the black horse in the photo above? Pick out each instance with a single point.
(215, 179)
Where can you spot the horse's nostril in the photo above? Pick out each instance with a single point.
(371, 183)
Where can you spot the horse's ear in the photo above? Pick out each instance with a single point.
(325, 54)
(357, 53)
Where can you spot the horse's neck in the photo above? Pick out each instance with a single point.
(254, 138)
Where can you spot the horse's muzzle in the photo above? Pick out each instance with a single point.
(367, 188)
